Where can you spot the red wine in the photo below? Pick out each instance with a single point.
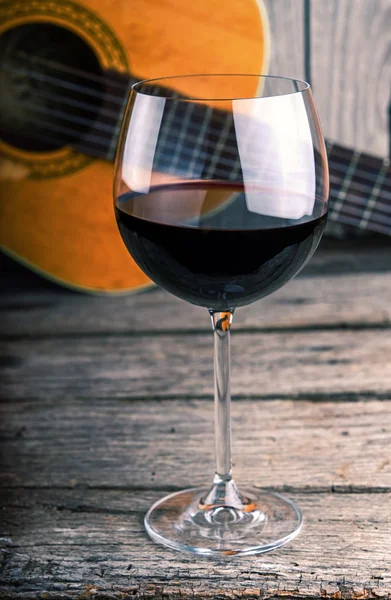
(213, 263)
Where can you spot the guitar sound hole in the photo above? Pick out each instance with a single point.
(50, 95)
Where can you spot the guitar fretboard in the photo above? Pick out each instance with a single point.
(360, 189)
(194, 141)
(199, 141)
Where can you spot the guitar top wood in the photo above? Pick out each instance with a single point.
(57, 207)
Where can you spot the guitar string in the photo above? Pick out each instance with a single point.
(117, 100)
(61, 83)
(189, 138)
(114, 115)
(383, 209)
(353, 207)
(76, 104)
(347, 216)
(365, 177)
(82, 89)
(377, 221)
(361, 188)
(78, 72)
(351, 214)
(100, 140)
(90, 137)
(123, 85)
(104, 79)
(119, 84)
(347, 220)
(92, 107)
(59, 142)
(71, 118)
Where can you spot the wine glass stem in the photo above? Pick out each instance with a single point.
(221, 322)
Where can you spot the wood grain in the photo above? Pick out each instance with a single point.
(107, 402)
(287, 364)
(351, 71)
(287, 38)
(151, 445)
(87, 445)
(357, 296)
(322, 302)
(79, 472)
(91, 545)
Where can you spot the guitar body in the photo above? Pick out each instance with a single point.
(56, 203)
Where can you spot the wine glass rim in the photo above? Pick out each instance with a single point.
(305, 86)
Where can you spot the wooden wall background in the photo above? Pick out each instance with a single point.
(349, 60)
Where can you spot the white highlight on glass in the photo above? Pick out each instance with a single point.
(276, 154)
(141, 141)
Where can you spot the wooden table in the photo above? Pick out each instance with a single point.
(107, 406)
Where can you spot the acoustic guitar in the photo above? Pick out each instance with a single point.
(66, 71)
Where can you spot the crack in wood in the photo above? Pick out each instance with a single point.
(140, 333)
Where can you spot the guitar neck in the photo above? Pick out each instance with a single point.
(360, 184)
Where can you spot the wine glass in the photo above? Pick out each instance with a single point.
(221, 187)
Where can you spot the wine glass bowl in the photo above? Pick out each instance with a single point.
(221, 187)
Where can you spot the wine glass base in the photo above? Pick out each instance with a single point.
(181, 521)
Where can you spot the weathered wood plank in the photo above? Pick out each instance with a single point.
(286, 21)
(30, 305)
(331, 258)
(351, 71)
(310, 364)
(352, 300)
(92, 545)
(294, 444)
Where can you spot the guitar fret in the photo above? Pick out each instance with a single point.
(353, 205)
(381, 207)
(332, 159)
(163, 136)
(365, 188)
(374, 194)
(220, 146)
(224, 164)
(340, 154)
(346, 184)
(340, 168)
(199, 144)
(236, 170)
(183, 147)
(334, 166)
(184, 125)
(204, 144)
(348, 220)
(352, 209)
